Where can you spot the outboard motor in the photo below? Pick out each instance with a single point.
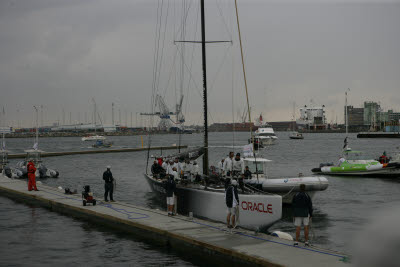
(7, 172)
(53, 173)
(42, 171)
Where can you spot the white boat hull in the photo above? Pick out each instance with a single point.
(255, 211)
(287, 187)
(93, 138)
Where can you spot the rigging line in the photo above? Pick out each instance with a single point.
(180, 28)
(212, 83)
(172, 70)
(163, 43)
(223, 19)
(233, 113)
(156, 51)
(192, 57)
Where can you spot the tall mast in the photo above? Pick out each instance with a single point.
(203, 52)
(36, 144)
(347, 121)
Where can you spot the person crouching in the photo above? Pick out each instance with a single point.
(232, 203)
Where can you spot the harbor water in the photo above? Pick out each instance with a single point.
(38, 236)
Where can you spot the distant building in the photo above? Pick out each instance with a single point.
(312, 118)
(355, 117)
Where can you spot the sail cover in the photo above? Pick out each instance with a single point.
(191, 154)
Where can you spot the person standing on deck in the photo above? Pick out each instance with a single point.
(108, 184)
(31, 176)
(302, 213)
(221, 166)
(228, 169)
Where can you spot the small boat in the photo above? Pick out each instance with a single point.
(5, 169)
(41, 170)
(100, 143)
(93, 137)
(296, 135)
(287, 186)
(265, 134)
(355, 164)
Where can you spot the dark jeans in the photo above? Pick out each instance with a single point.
(109, 188)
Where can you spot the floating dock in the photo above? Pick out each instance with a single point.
(96, 151)
(209, 242)
(379, 135)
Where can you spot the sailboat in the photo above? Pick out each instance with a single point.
(207, 200)
(295, 134)
(95, 136)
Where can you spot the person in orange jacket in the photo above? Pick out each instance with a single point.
(31, 176)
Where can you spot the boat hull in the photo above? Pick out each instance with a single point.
(288, 187)
(255, 211)
(381, 172)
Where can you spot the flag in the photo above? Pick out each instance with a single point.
(35, 146)
(248, 150)
(345, 143)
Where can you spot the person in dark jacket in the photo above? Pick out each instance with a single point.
(232, 203)
(302, 213)
(108, 184)
(156, 169)
(170, 187)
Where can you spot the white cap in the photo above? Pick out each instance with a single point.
(234, 182)
(108, 167)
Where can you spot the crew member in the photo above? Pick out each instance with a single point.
(221, 167)
(228, 169)
(108, 184)
(383, 159)
(31, 176)
(170, 188)
(195, 171)
(247, 173)
(302, 213)
(341, 160)
(156, 169)
(232, 203)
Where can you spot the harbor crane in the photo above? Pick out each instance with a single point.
(165, 114)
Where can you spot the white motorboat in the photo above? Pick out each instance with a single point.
(265, 134)
(287, 186)
(296, 135)
(94, 137)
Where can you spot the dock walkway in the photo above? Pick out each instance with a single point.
(201, 239)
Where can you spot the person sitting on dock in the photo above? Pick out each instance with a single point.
(31, 176)
(170, 187)
(302, 213)
(108, 184)
(232, 203)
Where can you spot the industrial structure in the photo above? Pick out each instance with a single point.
(312, 118)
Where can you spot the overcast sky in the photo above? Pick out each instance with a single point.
(61, 54)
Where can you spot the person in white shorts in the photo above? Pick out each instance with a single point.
(232, 202)
(302, 213)
(170, 188)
